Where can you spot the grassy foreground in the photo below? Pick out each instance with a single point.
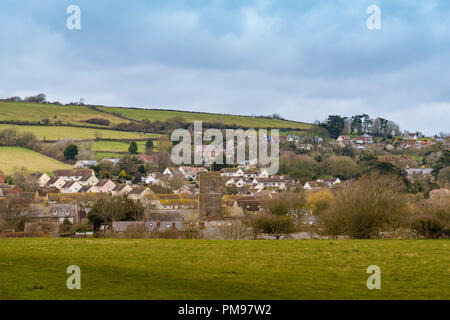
(202, 269)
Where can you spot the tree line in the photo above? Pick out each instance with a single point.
(359, 124)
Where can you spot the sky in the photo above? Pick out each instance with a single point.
(301, 59)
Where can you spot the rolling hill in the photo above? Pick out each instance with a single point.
(77, 115)
(14, 157)
(244, 121)
(33, 112)
(64, 132)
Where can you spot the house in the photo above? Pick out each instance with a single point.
(292, 138)
(410, 136)
(89, 189)
(41, 193)
(271, 183)
(251, 173)
(89, 180)
(170, 171)
(139, 193)
(10, 189)
(112, 161)
(366, 139)
(122, 228)
(330, 181)
(415, 172)
(186, 190)
(38, 178)
(191, 173)
(73, 175)
(313, 185)
(54, 212)
(71, 187)
(249, 204)
(232, 172)
(105, 185)
(235, 210)
(146, 158)
(264, 174)
(56, 182)
(344, 141)
(121, 190)
(152, 178)
(238, 182)
(84, 164)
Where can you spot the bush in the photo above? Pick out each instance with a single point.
(363, 209)
(102, 122)
(272, 225)
(432, 218)
(71, 152)
(13, 137)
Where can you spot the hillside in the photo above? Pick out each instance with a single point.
(77, 115)
(34, 112)
(63, 132)
(244, 121)
(12, 157)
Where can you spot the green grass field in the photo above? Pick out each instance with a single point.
(245, 121)
(78, 114)
(202, 269)
(14, 157)
(60, 133)
(36, 112)
(116, 146)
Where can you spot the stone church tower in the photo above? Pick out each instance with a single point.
(210, 195)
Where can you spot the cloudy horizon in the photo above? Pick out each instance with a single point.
(301, 60)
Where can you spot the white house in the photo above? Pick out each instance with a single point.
(274, 182)
(121, 190)
(329, 181)
(89, 189)
(74, 175)
(71, 187)
(232, 172)
(56, 182)
(264, 174)
(40, 178)
(89, 180)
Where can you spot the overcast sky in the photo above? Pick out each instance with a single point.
(301, 59)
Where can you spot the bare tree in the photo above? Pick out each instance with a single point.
(233, 230)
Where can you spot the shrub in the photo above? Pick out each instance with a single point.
(272, 224)
(71, 152)
(363, 209)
